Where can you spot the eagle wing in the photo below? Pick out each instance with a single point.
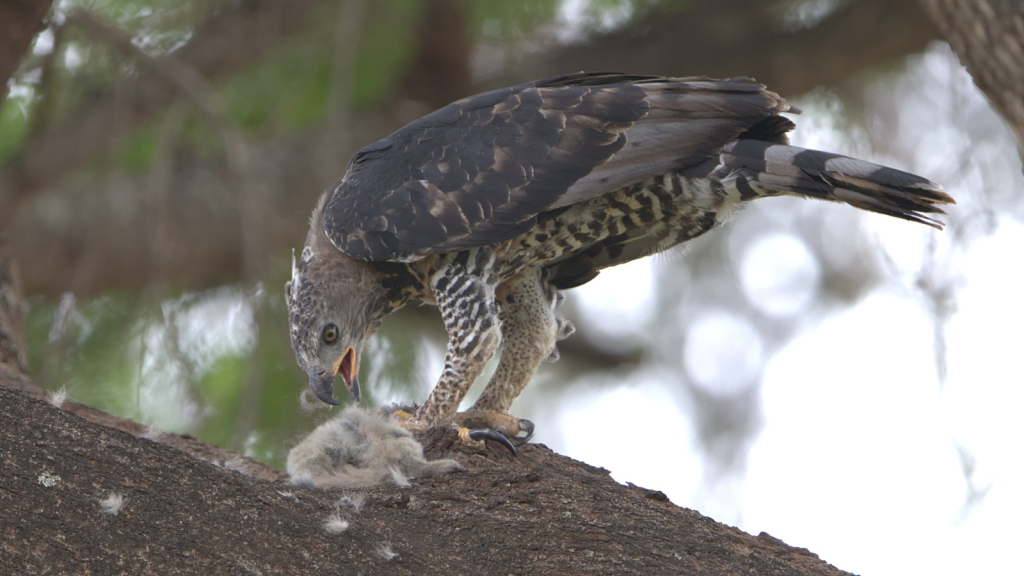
(480, 171)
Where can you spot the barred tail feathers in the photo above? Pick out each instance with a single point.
(756, 168)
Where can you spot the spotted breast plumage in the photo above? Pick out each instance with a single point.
(491, 205)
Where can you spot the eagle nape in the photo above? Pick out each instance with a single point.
(492, 205)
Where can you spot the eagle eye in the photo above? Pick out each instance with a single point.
(330, 333)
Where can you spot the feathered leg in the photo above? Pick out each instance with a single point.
(530, 329)
(463, 286)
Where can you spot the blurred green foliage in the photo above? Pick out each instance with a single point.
(13, 126)
(131, 356)
(82, 348)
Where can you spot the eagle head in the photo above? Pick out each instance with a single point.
(333, 309)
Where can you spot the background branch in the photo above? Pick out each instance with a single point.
(230, 39)
(20, 21)
(725, 38)
(12, 344)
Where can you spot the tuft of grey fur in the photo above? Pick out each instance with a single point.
(399, 478)
(151, 433)
(58, 397)
(308, 402)
(385, 551)
(113, 504)
(335, 524)
(355, 502)
(360, 450)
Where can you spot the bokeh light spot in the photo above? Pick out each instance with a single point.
(779, 274)
(723, 352)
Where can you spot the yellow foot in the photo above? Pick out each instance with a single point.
(509, 425)
(474, 439)
(402, 415)
(405, 415)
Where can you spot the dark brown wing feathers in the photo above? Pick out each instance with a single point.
(480, 170)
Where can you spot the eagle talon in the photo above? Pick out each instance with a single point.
(526, 426)
(488, 434)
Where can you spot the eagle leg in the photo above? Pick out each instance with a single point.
(529, 330)
(463, 286)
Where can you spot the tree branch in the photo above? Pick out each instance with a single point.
(190, 82)
(229, 40)
(725, 38)
(540, 513)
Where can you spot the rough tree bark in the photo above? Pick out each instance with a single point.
(540, 513)
(988, 37)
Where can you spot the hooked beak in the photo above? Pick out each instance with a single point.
(323, 385)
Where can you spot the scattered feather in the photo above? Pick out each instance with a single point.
(335, 524)
(355, 502)
(237, 464)
(48, 480)
(309, 402)
(58, 397)
(384, 551)
(400, 479)
(113, 504)
(151, 433)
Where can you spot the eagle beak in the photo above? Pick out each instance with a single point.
(349, 372)
(322, 383)
(323, 387)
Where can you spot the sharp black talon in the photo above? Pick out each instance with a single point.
(526, 426)
(488, 434)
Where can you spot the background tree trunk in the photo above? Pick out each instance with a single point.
(20, 21)
(988, 37)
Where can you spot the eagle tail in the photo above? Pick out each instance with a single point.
(754, 168)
